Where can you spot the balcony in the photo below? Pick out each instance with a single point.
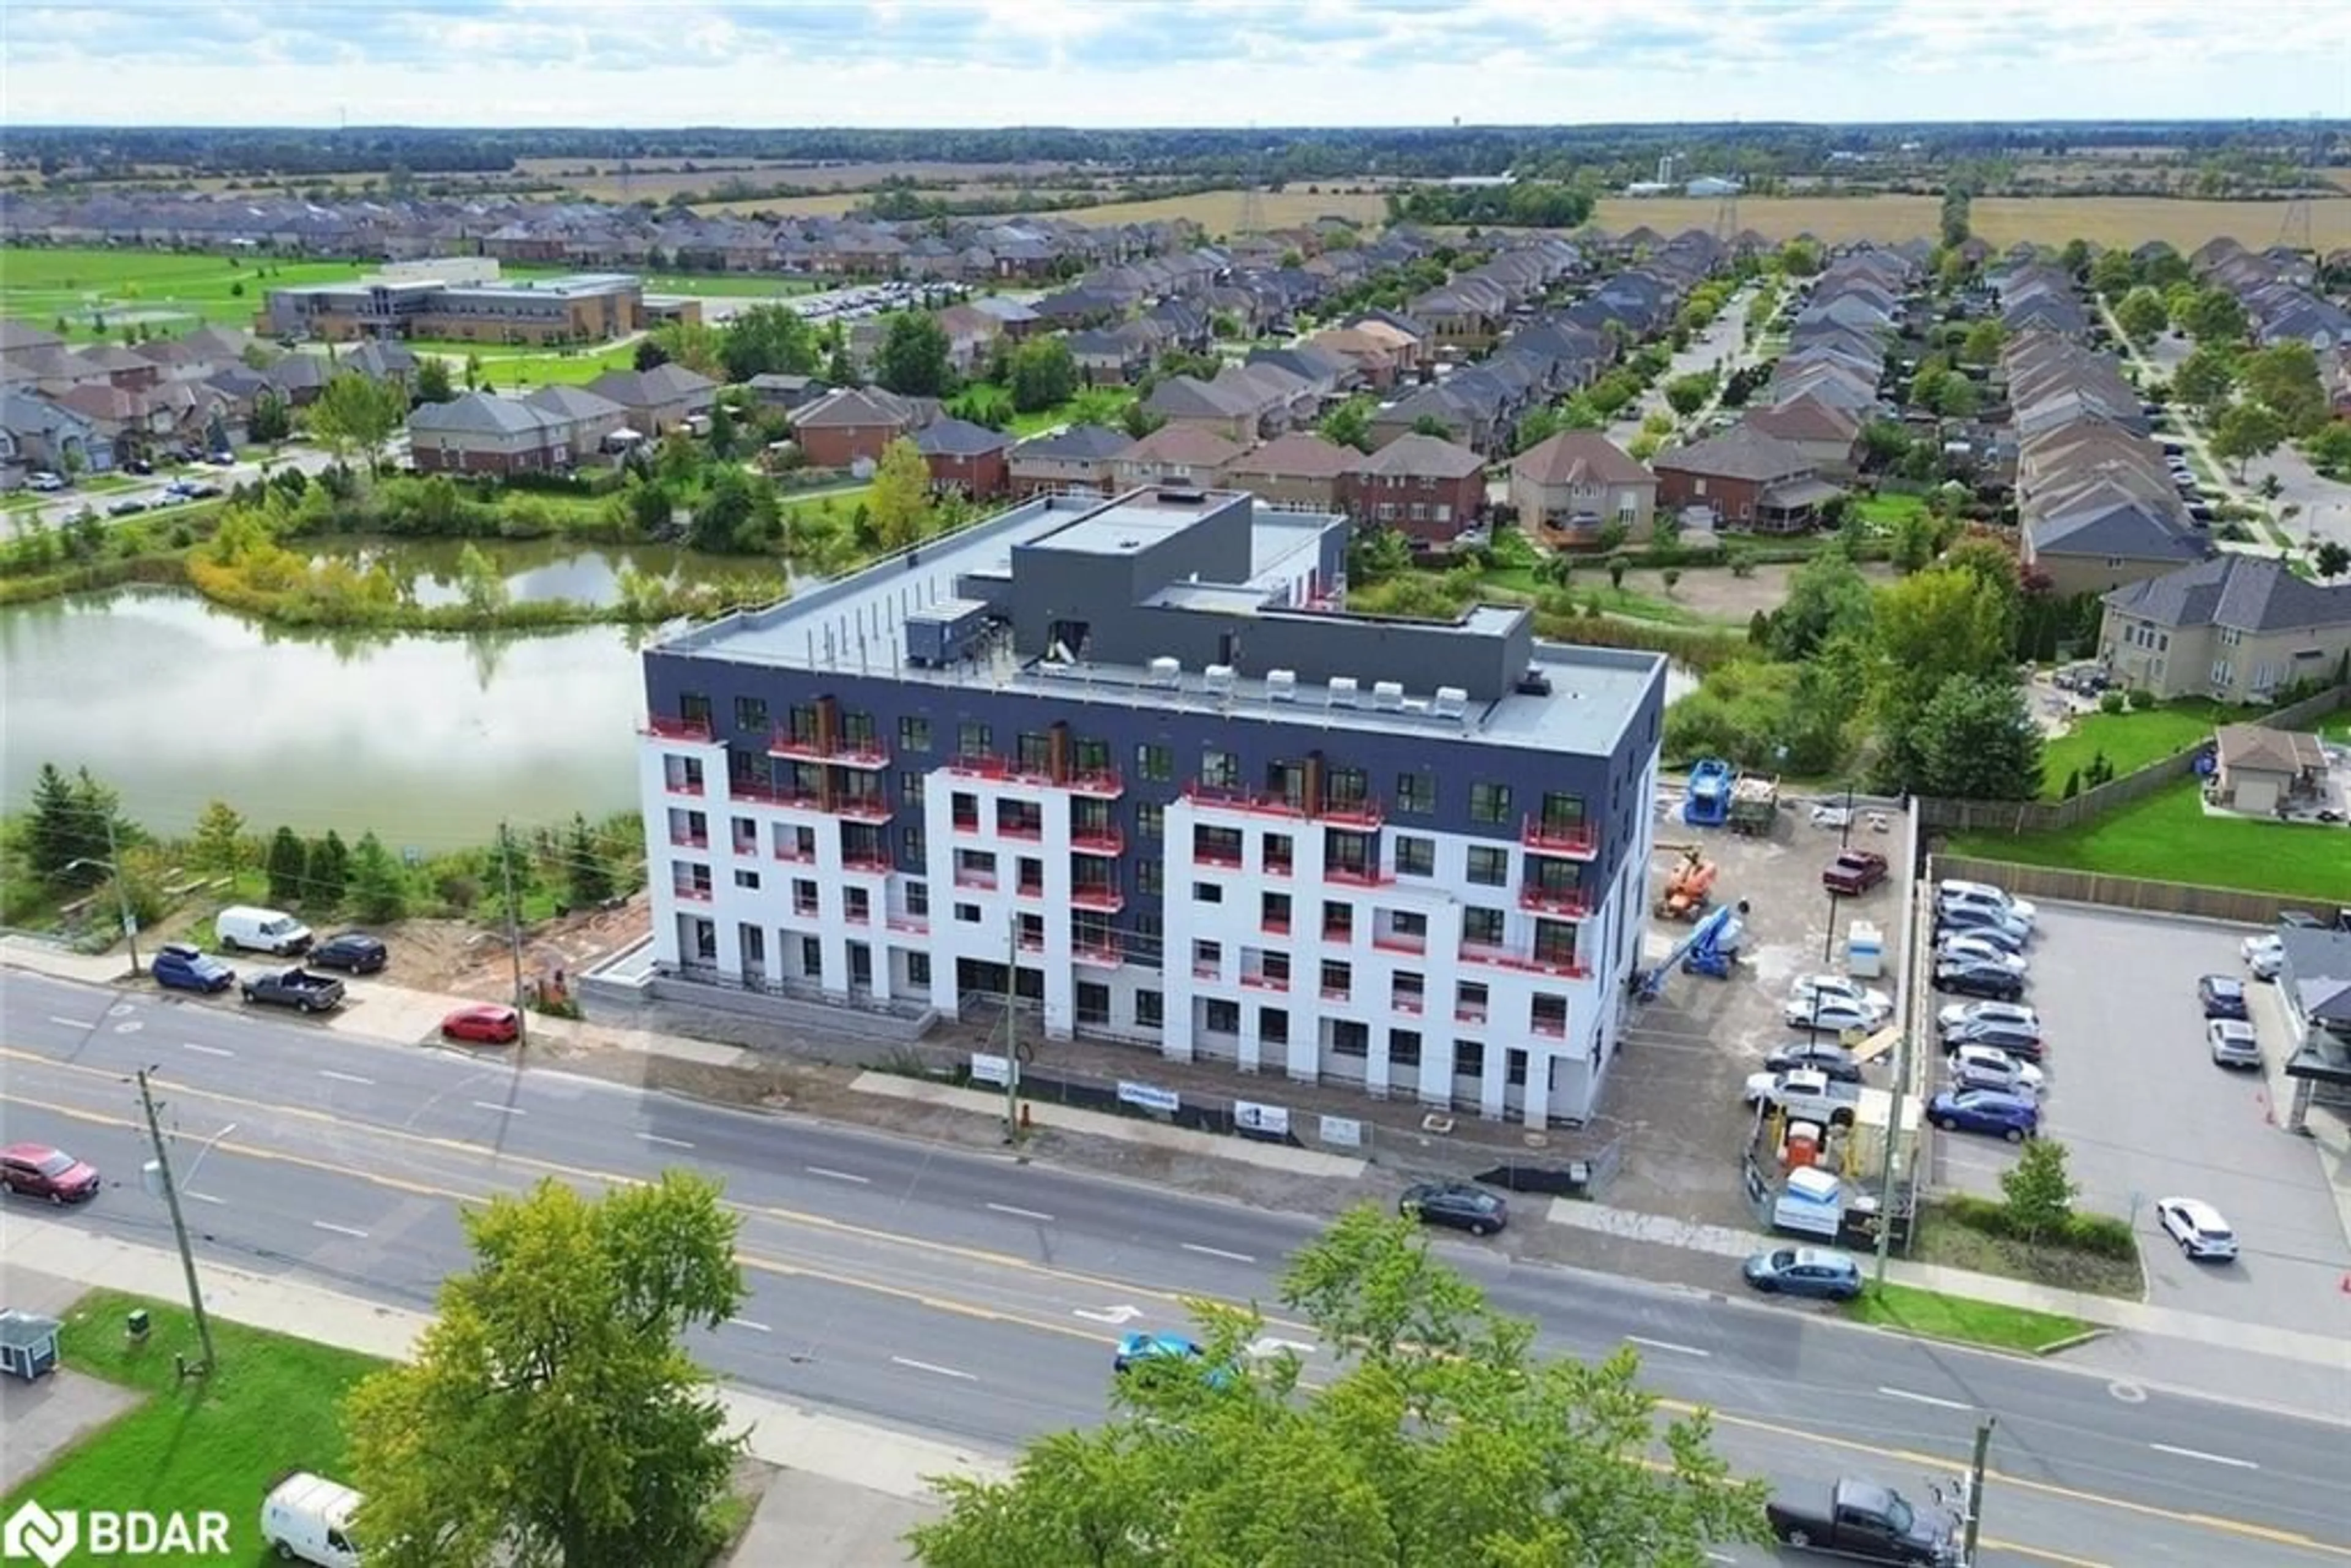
(962, 824)
(1554, 1027)
(797, 853)
(858, 916)
(838, 754)
(864, 808)
(998, 769)
(1567, 903)
(1276, 865)
(1217, 854)
(1099, 955)
(912, 925)
(1359, 875)
(1407, 1002)
(1399, 942)
(1097, 841)
(1364, 815)
(1273, 927)
(1576, 840)
(1219, 798)
(690, 841)
(805, 908)
(755, 793)
(1097, 783)
(875, 863)
(1094, 897)
(746, 846)
(985, 881)
(692, 893)
(1338, 932)
(1032, 888)
(1505, 959)
(661, 726)
(1335, 993)
(1205, 971)
(1469, 1013)
(1019, 830)
(680, 785)
(1260, 981)
(1030, 941)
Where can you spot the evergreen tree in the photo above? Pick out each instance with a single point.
(378, 884)
(329, 871)
(67, 842)
(218, 844)
(588, 877)
(287, 865)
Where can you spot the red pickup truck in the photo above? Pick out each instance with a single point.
(1854, 872)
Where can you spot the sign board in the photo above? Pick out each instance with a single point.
(130, 925)
(1150, 1097)
(1271, 1120)
(1344, 1132)
(986, 1068)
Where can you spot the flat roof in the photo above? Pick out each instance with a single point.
(1133, 522)
(856, 625)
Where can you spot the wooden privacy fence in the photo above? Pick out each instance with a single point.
(2045, 881)
(2047, 816)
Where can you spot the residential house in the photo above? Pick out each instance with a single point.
(1328, 376)
(1220, 408)
(37, 433)
(1435, 407)
(1072, 460)
(2095, 539)
(970, 333)
(1299, 469)
(659, 399)
(964, 458)
(1187, 454)
(777, 390)
(22, 337)
(1018, 319)
(1374, 359)
(1827, 434)
(381, 360)
(1568, 487)
(2238, 628)
(481, 433)
(1415, 343)
(298, 379)
(1429, 490)
(136, 423)
(1746, 479)
(590, 417)
(2263, 770)
(856, 425)
(1281, 397)
(1113, 357)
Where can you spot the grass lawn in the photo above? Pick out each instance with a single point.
(2167, 837)
(1945, 1238)
(515, 373)
(1938, 1316)
(1592, 583)
(2132, 740)
(842, 501)
(216, 1443)
(1887, 509)
(1092, 405)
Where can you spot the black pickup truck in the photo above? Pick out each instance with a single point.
(1870, 1523)
(296, 988)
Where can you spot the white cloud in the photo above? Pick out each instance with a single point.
(1168, 62)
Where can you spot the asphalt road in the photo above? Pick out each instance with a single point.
(978, 1297)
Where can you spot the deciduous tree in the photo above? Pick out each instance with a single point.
(1826, 596)
(357, 414)
(2205, 378)
(550, 1411)
(1042, 374)
(219, 846)
(1442, 1442)
(2212, 315)
(769, 340)
(2332, 560)
(901, 497)
(2112, 274)
(433, 380)
(1349, 423)
(2039, 1192)
(2246, 430)
(2284, 377)
(2141, 316)
(1974, 740)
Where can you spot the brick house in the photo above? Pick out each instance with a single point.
(658, 400)
(1174, 455)
(1569, 487)
(841, 428)
(1301, 469)
(1078, 458)
(966, 458)
(1746, 478)
(1427, 489)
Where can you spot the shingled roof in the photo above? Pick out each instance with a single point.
(2241, 592)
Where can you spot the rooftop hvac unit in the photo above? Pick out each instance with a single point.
(1343, 692)
(1452, 701)
(1281, 686)
(1167, 672)
(1388, 695)
(1533, 683)
(1219, 679)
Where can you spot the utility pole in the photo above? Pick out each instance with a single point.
(122, 893)
(514, 933)
(1976, 1490)
(179, 1225)
(1901, 1087)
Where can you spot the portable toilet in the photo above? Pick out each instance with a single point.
(1803, 1147)
(1864, 950)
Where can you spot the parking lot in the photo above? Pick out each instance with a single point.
(2144, 1115)
(1673, 1094)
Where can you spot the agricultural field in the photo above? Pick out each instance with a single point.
(2001, 221)
(1220, 212)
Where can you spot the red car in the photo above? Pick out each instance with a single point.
(38, 1170)
(1854, 872)
(490, 1023)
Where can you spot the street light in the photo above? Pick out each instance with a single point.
(112, 866)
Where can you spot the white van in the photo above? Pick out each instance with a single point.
(244, 929)
(308, 1519)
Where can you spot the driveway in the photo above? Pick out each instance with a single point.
(2144, 1115)
(66, 505)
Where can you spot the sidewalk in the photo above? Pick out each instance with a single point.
(839, 1471)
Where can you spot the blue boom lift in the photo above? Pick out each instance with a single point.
(1707, 804)
(1709, 949)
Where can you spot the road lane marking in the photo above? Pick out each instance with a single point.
(500, 1110)
(1120, 1315)
(346, 1077)
(1021, 1213)
(205, 1050)
(837, 1175)
(340, 1229)
(2234, 1464)
(664, 1143)
(72, 1023)
(1665, 1344)
(1924, 1399)
(927, 1366)
(1217, 1252)
(199, 1196)
(755, 1326)
(2237, 1527)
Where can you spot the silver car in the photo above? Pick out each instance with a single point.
(2234, 1043)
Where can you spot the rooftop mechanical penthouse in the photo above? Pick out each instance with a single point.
(1134, 748)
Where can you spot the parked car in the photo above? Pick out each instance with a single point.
(308, 1519)
(1804, 1271)
(1825, 1057)
(139, 465)
(1839, 987)
(1974, 949)
(1832, 1015)
(297, 988)
(1805, 1095)
(1982, 1067)
(242, 927)
(37, 1170)
(1854, 872)
(354, 952)
(1994, 1034)
(47, 483)
(1953, 890)
(1459, 1204)
(1985, 1110)
(2264, 956)
(1973, 977)
(2199, 1229)
(1869, 1523)
(1968, 920)
(126, 508)
(2221, 997)
(485, 1023)
(184, 966)
(2016, 1015)
(2234, 1043)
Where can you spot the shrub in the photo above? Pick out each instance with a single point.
(2142, 698)
(2112, 702)
(2073, 784)
(2100, 1235)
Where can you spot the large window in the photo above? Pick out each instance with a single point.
(1220, 769)
(974, 739)
(751, 714)
(913, 734)
(1156, 763)
(1416, 794)
(1489, 866)
(1490, 802)
(1415, 856)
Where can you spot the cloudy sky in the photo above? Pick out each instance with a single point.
(1164, 62)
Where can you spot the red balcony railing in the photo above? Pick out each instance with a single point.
(839, 753)
(796, 852)
(682, 786)
(1469, 1013)
(1362, 814)
(1359, 875)
(1399, 942)
(1335, 993)
(1002, 769)
(1217, 854)
(982, 880)
(914, 924)
(1032, 887)
(1551, 837)
(1016, 829)
(746, 846)
(1098, 841)
(963, 824)
(1102, 955)
(858, 916)
(1276, 865)
(1273, 927)
(1565, 902)
(1505, 959)
(1031, 941)
(771, 794)
(1218, 797)
(806, 908)
(1406, 1002)
(690, 841)
(1099, 783)
(869, 860)
(692, 893)
(1264, 982)
(1087, 895)
(662, 727)
(1334, 933)
(864, 808)
(1555, 1028)
(1201, 971)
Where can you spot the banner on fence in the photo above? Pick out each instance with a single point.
(1344, 1132)
(1150, 1097)
(986, 1068)
(1273, 1121)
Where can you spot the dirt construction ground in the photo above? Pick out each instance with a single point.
(1673, 1094)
